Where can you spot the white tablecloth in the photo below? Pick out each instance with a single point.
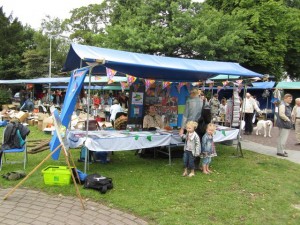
(122, 140)
(117, 140)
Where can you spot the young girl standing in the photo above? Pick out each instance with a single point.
(208, 148)
(191, 148)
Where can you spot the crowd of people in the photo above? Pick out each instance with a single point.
(197, 125)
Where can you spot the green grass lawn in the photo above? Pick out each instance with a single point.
(256, 189)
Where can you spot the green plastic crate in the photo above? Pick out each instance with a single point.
(57, 175)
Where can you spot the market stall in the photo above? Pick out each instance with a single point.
(144, 66)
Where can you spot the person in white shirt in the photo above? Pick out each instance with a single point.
(249, 105)
(296, 119)
(114, 109)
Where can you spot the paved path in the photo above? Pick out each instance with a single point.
(267, 145)
(294, 155)
(25, 207)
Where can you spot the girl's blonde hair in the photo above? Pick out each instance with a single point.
(194, 91)
(192, 124)
(211, 126)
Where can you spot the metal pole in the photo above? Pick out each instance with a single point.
(87, 119)
(49, 91)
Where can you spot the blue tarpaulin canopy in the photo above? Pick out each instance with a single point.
(263, 85)
(151, 66)
(57, 80)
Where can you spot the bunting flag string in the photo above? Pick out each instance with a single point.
(239, 81)
(148, 83)
(130, 79)
(124, 85)
(110, 73)
(166, 84)
(197, 83)
(225, 83)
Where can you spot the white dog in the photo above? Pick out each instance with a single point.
(264, 124)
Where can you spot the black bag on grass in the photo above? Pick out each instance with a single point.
(98, 182)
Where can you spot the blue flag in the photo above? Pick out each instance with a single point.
(74, 88)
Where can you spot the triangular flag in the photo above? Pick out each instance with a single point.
(130, 79)
(166, 84)
(124, 85)
(148, 83)
(110, 73)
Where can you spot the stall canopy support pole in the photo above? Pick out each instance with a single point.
(87, 122)
(239, 150)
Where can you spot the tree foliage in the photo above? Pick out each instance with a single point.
(262, 35)
(274, 33)
(14, 40)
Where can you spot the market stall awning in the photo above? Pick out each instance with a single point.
(263, 85)
(288, 85)
(151, 66)
(106, 88)
(225, 77)
(43, 80)
(58, 80)
(254, 85)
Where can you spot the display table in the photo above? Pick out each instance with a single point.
(111, 140)
(106, 140)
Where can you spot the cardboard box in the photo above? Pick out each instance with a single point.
(40, 125)
(42, 116)
(30, 122)
(47, 122)
(22, 116)
(5, 107)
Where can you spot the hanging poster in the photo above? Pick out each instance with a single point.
(137, 98)
(166, 106)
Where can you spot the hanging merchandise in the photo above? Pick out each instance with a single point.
(229, 111)
(236, 109)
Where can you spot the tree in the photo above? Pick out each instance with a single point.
(86, 22)
(37, 57)
(275, 49)
(14, 39)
